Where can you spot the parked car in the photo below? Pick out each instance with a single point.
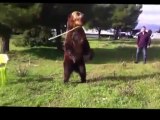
(136, 35)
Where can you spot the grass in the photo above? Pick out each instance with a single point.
(35, 78)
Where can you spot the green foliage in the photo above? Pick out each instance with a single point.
(55, 15)
(19, 41)
(101, 16)
(38, 36)
(125, 16)
(22, 5)
(17, 17)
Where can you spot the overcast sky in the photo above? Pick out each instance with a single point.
(150, 14)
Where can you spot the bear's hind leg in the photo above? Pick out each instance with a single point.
(82, 72)
(67, 72)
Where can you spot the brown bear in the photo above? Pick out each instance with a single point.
(77, 50)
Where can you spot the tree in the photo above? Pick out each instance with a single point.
(125, 17)
(101, 17)
(13, 16)
(5, 33)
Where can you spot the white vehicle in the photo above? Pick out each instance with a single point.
(155, 36)
(136, 35)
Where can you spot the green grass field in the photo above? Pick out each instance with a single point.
(35, 78)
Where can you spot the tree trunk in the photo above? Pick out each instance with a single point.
(99, 33)
(58, 40)
(116, 34)
(5, 45)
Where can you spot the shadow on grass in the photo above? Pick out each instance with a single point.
(37, 78)
(123, 78)
(44, 52)
(120, 54)
(33, 78)
(102, 55)
(128, 42)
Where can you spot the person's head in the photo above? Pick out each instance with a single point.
(143, 29)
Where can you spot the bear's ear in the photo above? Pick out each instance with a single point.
(69, 16)
(69, 25)
(69, 22)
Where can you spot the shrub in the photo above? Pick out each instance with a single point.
(38, 37)
(19, 41)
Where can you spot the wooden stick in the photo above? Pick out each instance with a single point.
(63, 33)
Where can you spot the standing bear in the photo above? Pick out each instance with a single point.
(77, 50)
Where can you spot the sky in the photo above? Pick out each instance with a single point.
(150, 14)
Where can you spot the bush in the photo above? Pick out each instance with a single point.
(38, 36)
(19, 41)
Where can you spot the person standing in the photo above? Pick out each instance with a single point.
(143, 41)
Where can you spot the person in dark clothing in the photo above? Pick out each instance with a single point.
(143, 41)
